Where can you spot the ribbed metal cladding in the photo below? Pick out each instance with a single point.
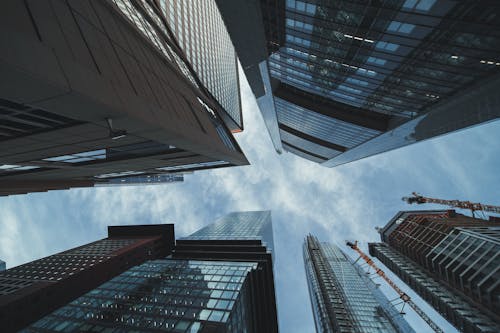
(449, 259)
(452, 305)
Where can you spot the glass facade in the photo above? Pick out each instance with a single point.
(364, 308)
(331, 51)
(252, 225)
(227, 291)
(200, 32)
(321, 126)
(33, 290)
(205, 56)
(337, 68)
(161, 295)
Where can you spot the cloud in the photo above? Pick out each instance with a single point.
(346, 202)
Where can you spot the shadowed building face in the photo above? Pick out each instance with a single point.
(93, 92)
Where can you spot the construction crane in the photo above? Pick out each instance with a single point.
(420, 199)
(402, 295)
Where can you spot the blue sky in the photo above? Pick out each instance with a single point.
(336, 204)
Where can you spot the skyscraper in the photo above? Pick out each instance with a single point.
(210, 284)
(451, 260)
(343, 298)
(32, 290)
(95, 91)
(337, 81)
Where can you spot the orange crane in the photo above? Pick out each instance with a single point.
(473, 206)
(404, 297)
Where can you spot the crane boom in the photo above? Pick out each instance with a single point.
(404, 297)
(473, 206)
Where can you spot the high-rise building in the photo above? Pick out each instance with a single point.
(97, 91)
(343, 298)
(212, 283)
(2, 265)
(337, 81)
(239, 226)
(451, 260)
(32, 290)
(200, 32)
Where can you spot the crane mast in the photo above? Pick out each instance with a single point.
(473, 206)
(404, 297)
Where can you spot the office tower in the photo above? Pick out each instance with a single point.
(337, 81)
(212, 283)
(32, 290)
(451, 260)
(2, 265)
(343, 298)
(239, 226)
(200, 32)
(98, 91)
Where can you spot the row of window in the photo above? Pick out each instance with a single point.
(124, 304)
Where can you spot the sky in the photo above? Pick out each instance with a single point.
(337, 204)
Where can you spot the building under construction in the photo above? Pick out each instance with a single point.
(451, 260)
(343, 297)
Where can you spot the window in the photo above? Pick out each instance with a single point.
(17, 120)
(192, 165)
(302, 6)
(298, 40)
(298, 25)
(356, 81)
(8, 167)
(421, 5)
(119, 174)
(376, 61)
(396, 26)
(387, 46)
(86, 156)
(362, 71)
(349, 89)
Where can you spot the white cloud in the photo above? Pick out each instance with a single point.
(335, 204)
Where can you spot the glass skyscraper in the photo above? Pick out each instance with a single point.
(200, 32)
(451, 260)
(211, 284)
(34, 289)
(338, 81)
(160, 79)
(343, 298)
(256, 225)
